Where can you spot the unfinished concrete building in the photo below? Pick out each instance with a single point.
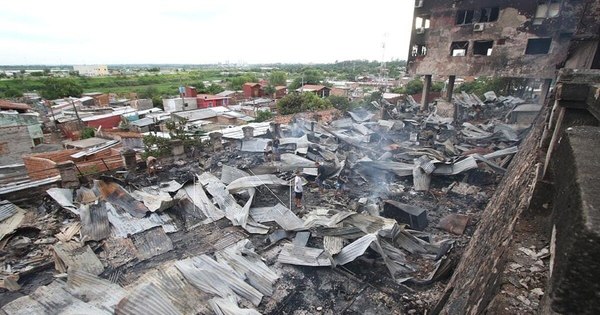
(518, 39)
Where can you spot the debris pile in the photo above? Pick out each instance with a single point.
(398, 196)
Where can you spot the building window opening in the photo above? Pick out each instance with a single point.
(422, 22)
(546, 9)
(459, 49)
(538, 46)
(418, 50)
(464, 17)
(483, 47)
(489, 15)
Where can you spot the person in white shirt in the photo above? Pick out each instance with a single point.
(298, 190)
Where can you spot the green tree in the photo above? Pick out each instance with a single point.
(214, 89)
(278, 78)
(46, 71)
(301, 102)
(54, 88)
(149, 92)
(263, 115)
(308, 76)
(340, 102)
(413, 87)
(236, 83)
(270, 90)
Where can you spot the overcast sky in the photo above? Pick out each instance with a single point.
(200, 32)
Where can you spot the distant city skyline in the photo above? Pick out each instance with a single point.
(65, 32)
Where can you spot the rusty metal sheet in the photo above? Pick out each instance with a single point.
(76, 257)
(120, 198)
(151, 242)
(94, 222)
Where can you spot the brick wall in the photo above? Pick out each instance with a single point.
(14, 142)
(43, 165)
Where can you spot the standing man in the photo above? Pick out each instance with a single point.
(320, 175)
(276, 149)
(298, 190)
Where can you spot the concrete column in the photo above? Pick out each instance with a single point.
(129, 160)
(177, 147)
(275, 129)
(68, 174)
(425, 95)
(544, 91)
(450, 88)
(248, 132)
(215, 141)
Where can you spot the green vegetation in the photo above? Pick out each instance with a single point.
(277, 78)
(54, 88)
(307, 76)
(87, 132)
(263, 115)
(340, 102)
(235, 83)
(301, 102)
(502, 86)
(157, 146)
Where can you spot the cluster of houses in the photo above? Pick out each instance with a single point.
(37, 135)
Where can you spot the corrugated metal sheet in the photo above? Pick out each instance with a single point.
(219, 279)
(228, 306)
(152, 242)
(158, 201)
(56, 300)
(146, 299)
(76, 257)
(254, 181)
(171, 186)
(229, 174)
(7, 209)
(120, 198)
(171, 284)
(123, 224)
(254, 145)
(242, 258)
(355, 249)
(195, 192)
(24, 306)
(456, 168)
(29, 184)
(303, 256)
(64, 197)
(280, 214)
(94, 222)
(10, 223)
(96, 291)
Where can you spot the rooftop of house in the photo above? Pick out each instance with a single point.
(20, 107)
(311, 88)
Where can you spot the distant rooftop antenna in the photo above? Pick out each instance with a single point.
(382, 68)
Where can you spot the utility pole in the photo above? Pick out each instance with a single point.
(77, 115)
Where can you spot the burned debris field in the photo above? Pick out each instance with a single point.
(218, 231)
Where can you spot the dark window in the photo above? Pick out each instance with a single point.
(483, 47)
(459, 49)
(538, 46)
(464, 17)
(489, 15)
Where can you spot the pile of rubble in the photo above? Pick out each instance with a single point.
(223, 229)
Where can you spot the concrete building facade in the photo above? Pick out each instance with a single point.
(502, 38)
(91, 70)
